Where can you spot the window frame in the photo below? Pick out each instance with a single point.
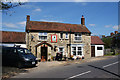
(67, 36)
(43, 34)
(62, 35)
(77, 46)
(77, 36)
(101, 48)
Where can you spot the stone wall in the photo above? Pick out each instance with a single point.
(86, 41)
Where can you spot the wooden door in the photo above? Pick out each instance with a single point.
(92, 51)
(43, 53)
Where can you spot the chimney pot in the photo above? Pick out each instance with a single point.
(103, 36)
(116, 32)
(28, 18)
(83, 20)
(111, 34)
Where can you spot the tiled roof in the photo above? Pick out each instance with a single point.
(96, 40)
(12, 37)
(54, 26)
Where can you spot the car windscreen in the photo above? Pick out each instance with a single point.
(24, 51)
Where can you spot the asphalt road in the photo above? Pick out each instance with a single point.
(107, 68)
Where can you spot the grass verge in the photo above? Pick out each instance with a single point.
(111, 54)
(8, 72)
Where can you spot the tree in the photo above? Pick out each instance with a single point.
(107, 42)
(8, 4)
(116, 41)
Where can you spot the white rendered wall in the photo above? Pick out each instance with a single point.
(99, 52)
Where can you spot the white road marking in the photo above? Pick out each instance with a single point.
(78, 75)
(110, 64)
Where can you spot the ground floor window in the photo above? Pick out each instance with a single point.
(99, 48)
(77, 50)
(61, 50)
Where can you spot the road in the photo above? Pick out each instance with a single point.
(107, 68)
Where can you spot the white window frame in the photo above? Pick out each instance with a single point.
(77, 50)
(43, 34)
(62, 35)
(67, 36)
(59, 49)
(78, 36)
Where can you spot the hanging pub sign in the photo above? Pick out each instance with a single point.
(53, 38)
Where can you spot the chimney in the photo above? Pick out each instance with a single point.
(28, 18)
(83, 20)
(111, 33)
(116, 32)
(103, 36)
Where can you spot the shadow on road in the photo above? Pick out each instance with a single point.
(105, 70)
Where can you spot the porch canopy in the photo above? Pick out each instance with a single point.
(44, 42)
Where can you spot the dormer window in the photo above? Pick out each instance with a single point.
(78, 37)
(43, 36)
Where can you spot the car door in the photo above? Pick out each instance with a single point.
(14, 56)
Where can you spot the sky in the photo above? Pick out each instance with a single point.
(101, 18)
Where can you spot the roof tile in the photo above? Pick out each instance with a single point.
(54, 26)
(13, 37)
(96, 40)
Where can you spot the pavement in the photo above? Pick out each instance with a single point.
(67, 69)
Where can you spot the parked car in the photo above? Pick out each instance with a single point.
(17, 56)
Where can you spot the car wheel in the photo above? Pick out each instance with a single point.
(34, 65)
(19, 65)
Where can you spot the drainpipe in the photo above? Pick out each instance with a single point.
(28, 39)
(36, 51)
(70, 42)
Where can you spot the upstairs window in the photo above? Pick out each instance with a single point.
(61, 35)
(78, 37)
(66, 36)
(43, 35)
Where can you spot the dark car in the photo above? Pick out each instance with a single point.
(17, 56)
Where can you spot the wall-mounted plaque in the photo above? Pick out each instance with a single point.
(53, 38)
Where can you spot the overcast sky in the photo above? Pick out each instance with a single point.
(101, 18)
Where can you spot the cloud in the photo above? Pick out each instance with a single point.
(107, 26)
(83, 3)
(115, 27)
(92, 25)
(27, 6)
(50, 20)
(23, 23)
(17, 25)
(74, 0)
(79, 0)
(94, 34)
(38, 9)
(15, 0)
(61, 0)
(23, 0)
(10, 25)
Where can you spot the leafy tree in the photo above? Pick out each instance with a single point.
(116, 41)
(5, 5)
(9, 4)
(107, 42)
